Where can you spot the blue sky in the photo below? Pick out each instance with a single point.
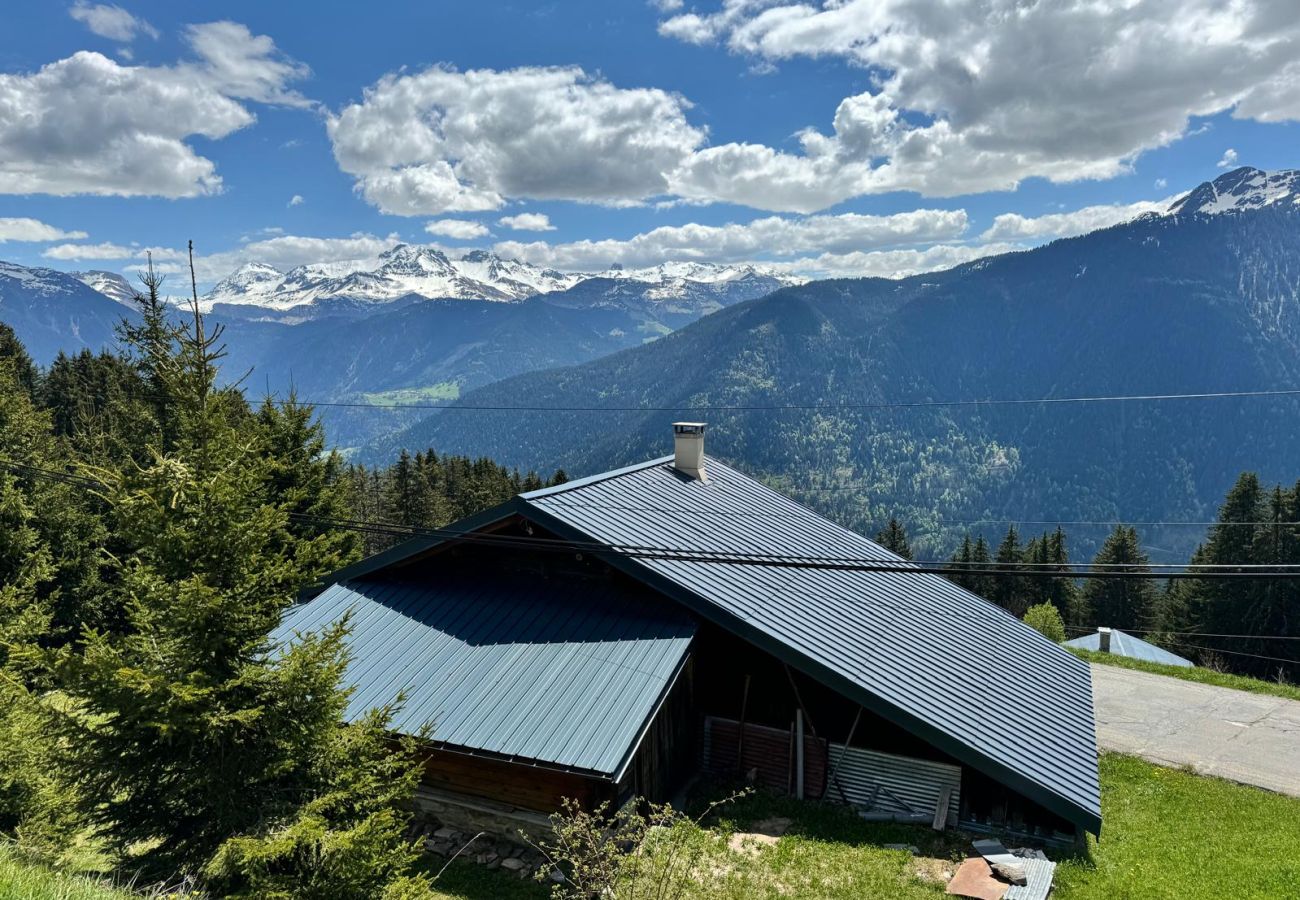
(862, 137)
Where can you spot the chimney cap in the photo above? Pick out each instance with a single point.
(689, 427)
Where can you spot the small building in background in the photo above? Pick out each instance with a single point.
(1120, 643)
(620, 635)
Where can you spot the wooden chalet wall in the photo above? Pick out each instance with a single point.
(666, 758)
(511, 783)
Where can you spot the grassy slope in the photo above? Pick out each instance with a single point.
(1168, 834)
(20, 880)
(1171, 834)
(1197, 674)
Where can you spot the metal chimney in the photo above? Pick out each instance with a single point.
(1103, 640)
(688, 449)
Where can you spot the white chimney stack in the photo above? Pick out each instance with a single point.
(688, 449)
(1103, 640)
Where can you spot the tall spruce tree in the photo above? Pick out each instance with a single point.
(1120, 602)
(1254, 528)
(894, 537)
(1053, 583)
(190, 730)
(1010, 591)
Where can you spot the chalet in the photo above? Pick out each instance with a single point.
(615, 636)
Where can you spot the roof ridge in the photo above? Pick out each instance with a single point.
(593, 479)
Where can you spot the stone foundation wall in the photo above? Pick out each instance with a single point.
(452, 825)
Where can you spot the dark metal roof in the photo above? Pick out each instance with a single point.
(518, 668)
(1123, 644)
(915, 648)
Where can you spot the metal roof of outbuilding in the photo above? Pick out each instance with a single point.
(913, 647)
(515, 668)
(1124, 644)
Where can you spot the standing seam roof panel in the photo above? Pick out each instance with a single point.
(518, 668)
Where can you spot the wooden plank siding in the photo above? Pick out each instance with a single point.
(527, 787)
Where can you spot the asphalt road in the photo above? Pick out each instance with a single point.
(1249, 738)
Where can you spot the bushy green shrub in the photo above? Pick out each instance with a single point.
(1046, 620)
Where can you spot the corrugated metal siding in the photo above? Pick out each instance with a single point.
(1124, 644)
(517, 667)
(918, 783)
(1038, 875)
(943, 659)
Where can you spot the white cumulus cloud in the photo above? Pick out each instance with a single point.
(459, 229)
(34, 231)
(1228, 160)
(296, 200)
(896, 263)
(105, 250)
(1013, 226)
(112, 22)
(445, 141)
(244, 65)
(527, 222)
(89, 125)
(971, 97)
(773, 235)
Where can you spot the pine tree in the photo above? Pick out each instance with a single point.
(1253, 528)
(1010, 591)
(894, 538)
(190, 729)
(981, 582)
(309, 483)
(1121, 602)
(21, 367)
(34, 805)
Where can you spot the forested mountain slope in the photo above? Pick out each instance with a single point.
(1165, 304)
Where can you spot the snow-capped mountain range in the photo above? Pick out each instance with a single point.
(407, 270)
(1244, 188)
(414, 271)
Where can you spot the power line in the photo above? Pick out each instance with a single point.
(765, 559)
(1252, 637)
(749, 515)
(816, 407)
(791, 561)
(1280, 659)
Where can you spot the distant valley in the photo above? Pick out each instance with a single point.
(412, 326)
(1205, 298)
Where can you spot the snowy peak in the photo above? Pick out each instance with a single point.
(110, 284)
(1244, 188)
(409, 269)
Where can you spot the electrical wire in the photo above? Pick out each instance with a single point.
(1252, 637)
(764, 559)
(816, 407)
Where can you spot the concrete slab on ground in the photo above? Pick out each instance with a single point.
(1248, 738)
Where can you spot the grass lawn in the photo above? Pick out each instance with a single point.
(1204, 676)
(1167, 834)
(1171, 834)
(20, 880)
